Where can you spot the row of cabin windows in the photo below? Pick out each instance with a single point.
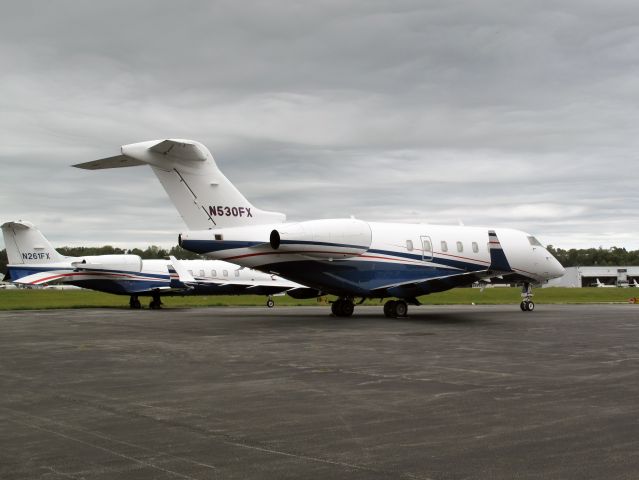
(214, 273)
(428, 247)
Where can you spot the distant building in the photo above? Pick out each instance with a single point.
(591, 276)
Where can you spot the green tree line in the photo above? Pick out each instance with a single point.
(595, 256)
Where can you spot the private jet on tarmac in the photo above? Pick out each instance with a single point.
(346, 257)
(33, 261)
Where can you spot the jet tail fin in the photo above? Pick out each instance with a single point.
(25, 244)
(498, 260)
(201, 193)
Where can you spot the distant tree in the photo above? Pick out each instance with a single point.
(595, 256)
(181, 254)
(85, 251)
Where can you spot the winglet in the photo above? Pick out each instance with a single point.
(498, 260)
(183, 274)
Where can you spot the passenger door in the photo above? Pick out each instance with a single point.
(427, 248)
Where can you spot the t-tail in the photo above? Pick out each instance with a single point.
(25, 244)
(203, 196)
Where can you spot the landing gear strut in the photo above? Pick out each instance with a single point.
(270, 303)
(343, 307)
(396, 308)
(134, 303)
(526, 304)
(156, 303)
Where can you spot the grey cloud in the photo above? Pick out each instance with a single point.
(490, 112)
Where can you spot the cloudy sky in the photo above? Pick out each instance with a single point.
(522, 114)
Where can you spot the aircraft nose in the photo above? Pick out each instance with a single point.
(555, 268)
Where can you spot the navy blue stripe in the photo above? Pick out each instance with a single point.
(33, 270)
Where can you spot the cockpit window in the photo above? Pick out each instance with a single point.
(534, 242)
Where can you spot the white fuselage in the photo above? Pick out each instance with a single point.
(372, 255)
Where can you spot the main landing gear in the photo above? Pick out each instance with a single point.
(526, 304)
(396, 308)
(156, 303)
(134, 303)
(343, 307)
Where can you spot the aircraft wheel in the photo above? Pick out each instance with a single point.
(347, 308)
(155, 304)
(342, 308)
(523, 306)
(389, 308)
(270, 303)
(134, 303)
(531, 306)
(335, 307)
(401, 308)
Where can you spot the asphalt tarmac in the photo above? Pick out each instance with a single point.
(292, 393)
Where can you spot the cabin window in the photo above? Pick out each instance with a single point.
(225, 273)
(460, 247)
(202, 274)
(475, 247)
(218, 236)
(213, 273)
(409, 245)
(427, 246)
(237, 273)
(534, 242)
(444, 246)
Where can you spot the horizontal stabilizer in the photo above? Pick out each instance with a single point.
(110, 162)
(184, 150)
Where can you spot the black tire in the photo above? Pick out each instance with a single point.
(531, 306)
(270, 303)
(401, 309)
(523, 306)
(336, 308)
(134, 303)
(347, 308)
(389, 308)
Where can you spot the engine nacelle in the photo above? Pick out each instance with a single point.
(126, 263)
(332, 239)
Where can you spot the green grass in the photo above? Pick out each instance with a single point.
(46, 299)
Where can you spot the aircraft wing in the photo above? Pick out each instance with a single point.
(432, 284)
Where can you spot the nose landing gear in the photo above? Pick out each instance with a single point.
(527, 305)
(270, 303)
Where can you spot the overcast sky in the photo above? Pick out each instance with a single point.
(521, 114)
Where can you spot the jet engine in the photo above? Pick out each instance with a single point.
(124, 263)
(326, 239)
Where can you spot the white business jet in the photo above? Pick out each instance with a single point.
(34, 261)
(347, 257)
